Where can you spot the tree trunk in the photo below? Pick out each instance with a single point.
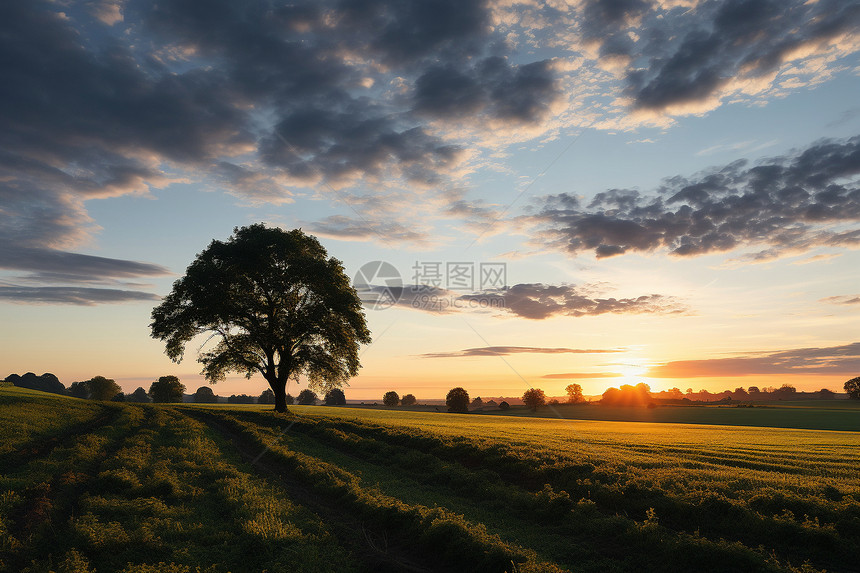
(280, 391)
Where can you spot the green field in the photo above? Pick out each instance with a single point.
(90, 486)
(809, 414)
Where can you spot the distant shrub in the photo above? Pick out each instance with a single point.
(504, 405)
(241, 399)
(408, 400)
(290, 400)
(391, 399)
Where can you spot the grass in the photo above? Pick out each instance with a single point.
(110, 487)
(840, 415)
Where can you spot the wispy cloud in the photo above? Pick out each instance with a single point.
(843, 359)
(81, 296)
(533, 301)
(506, 350)
(581, 375)
(842, 299)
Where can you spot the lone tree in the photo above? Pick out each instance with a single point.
(391, 399)
(138, 395)
(534, 398)
(853, 388)
(335, 397)
(205, 395)
(166, 389)
(574, 394)
(306, 398)
(266, 397)
(457, 400)
(102, 388)
(276, 304)
(408, 400)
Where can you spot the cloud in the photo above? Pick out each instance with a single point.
(507, 350)
(731, 47)
(533, 301)
(257, 98)
(265, 98)
(581, 375)
(843, 359)
(842, 299)
(74, 266)
(81, 296)
(538, 301)
(783, 205)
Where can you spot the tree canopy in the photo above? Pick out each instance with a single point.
(852, 387)
(205, 395)
(408, 400)
(166, 389)
(574, 394)
(627, 395)
(101, 388)
(335, 397)
(274, 303)
(307, 398)
(534, 398)
(391, 399)
(266, 397)
(457, 400)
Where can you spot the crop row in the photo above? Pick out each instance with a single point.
(486, 482)
(435, 532)
(153, 492)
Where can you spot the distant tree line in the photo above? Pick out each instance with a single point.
(166, 389)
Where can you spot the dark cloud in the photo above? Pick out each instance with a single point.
(82, 296)
(843, 359)
(740, 40)
(507, 350)
(100, 101)
(784, 204)
(521, 93)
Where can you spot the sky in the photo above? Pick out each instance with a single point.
(535, 194)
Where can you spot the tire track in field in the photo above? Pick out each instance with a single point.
(49, 503)
(43, 446)
(373, 547)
